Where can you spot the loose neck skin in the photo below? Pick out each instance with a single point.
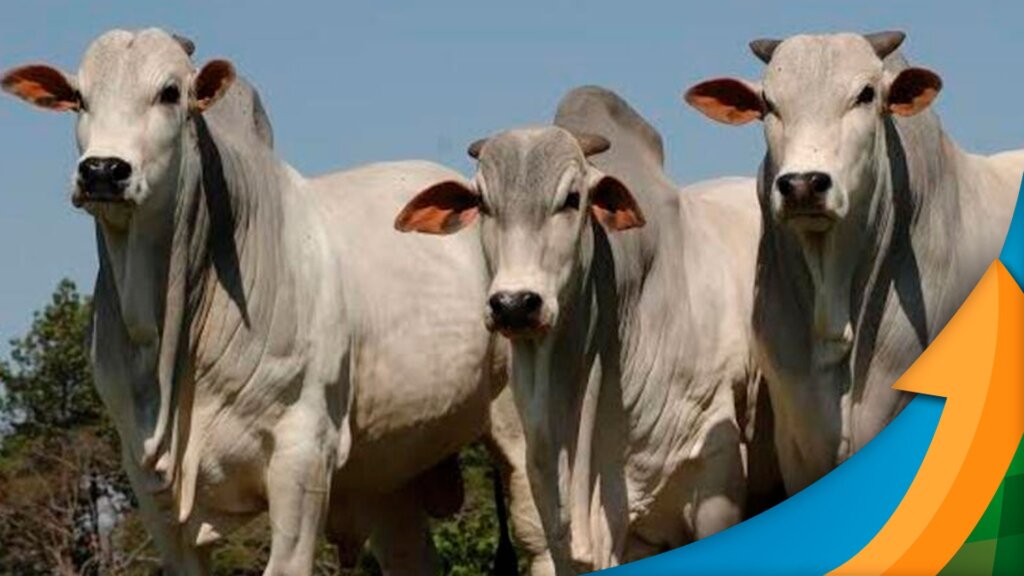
(546, 377)
(840, 261)
(830, 272)
(160, 278)
(867, 280)
(575, 403)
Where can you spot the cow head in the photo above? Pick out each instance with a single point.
(535, 194)
(133, 94)
(823, 100)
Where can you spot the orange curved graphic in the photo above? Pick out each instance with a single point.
(977, 363)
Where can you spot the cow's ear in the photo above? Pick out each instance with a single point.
(43, 86)
(727, 100)
(912, 91)
(612, 204)
(210, 83)
(444, 208)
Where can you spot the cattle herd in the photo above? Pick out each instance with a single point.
(648, 364)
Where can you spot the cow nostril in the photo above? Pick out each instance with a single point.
(120, 170)
(498, 303)
(531, 302)
(820, 182)
(104, 176)
(89, 168)
(515, 310)
(785, 184)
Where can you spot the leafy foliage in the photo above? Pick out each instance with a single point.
(66, 507)
(48, 386)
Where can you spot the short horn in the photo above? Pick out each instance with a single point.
(884, 43)
(187, 45)
(763, 48)
(592, 143)
(474, 148)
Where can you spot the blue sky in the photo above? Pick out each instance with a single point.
(351, 83)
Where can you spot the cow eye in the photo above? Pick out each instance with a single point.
(769, 106)
(866, 96)
(170, 95)
(81, 101)
(572, 202)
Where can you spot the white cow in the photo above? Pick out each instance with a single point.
(263, 340)
(627, 305)
(876, 227)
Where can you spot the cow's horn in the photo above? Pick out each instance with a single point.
(592, 143)
(885, 42)
(187, 45)
(474, 148)
(763, 48)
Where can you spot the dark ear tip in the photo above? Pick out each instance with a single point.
(7, 79)
(226, 65)
(700, 89)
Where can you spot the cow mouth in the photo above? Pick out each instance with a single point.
(80, 200)
(815, 218)
(531, 332)
(98, 195)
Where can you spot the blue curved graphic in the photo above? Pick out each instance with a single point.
(821, 527)
(1012, 255)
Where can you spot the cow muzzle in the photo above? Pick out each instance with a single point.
(805, 200)
(101, 180)
(516, 314)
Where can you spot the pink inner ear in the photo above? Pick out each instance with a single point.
(211, 82)
(42, 86)
(913, 90)
(618, 220)
(444, 208)
(726, 100)
(614, 207)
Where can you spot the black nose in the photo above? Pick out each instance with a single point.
(515, 310)
(804, 187)
(102, 177)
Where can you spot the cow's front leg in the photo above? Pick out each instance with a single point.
(178, 553)
(719, 487)
(401, 539)
(507, 445)
(298, 484)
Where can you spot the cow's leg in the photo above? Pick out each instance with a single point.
(526, 525)
(401, 539)
(298, 484)
(178, 556)
(348, 524)
(719, 491)
(507, 445)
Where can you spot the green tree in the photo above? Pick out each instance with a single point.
(60, 457)
(47, 383)
(59, 461)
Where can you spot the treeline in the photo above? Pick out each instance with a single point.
(67, 508)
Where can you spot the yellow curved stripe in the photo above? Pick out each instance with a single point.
(977, 362)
